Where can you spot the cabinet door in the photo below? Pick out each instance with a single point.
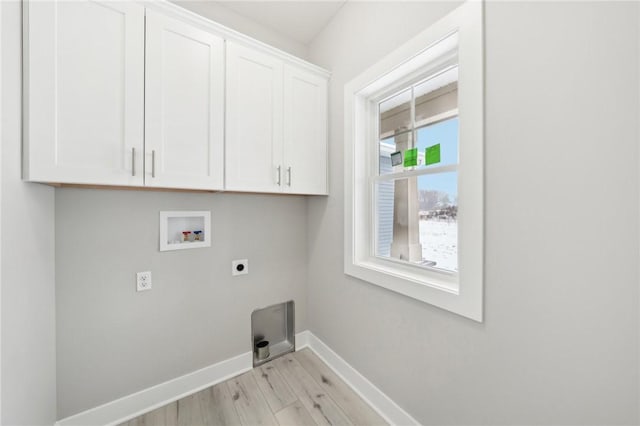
(305, 132)
(184, 133)
(254, 121)
(84, 92)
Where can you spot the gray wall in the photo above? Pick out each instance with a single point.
(27, 260)
(560, 341)
(197, 314)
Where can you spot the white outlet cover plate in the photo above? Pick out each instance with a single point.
(234, 267)
(143, 281)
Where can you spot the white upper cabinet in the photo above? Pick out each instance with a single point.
(276, 121)
(184, 104)
(254, 120)
(305, 132)
(144, 93)
(84, 89)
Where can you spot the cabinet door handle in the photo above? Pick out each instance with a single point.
(133, 161)
(289, 176)
(153, 164)
(279, 177)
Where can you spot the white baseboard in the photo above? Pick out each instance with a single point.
(302, 339)
(131, 406)
(373, 396)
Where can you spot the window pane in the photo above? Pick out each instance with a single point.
(395, 114)
(388, 162)
(444, 133)
(438, 194)
(436, 95)
(416, 220)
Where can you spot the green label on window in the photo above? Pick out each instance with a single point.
(411, 157)
(432, 155)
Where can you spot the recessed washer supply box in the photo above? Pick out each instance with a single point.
(181, 230)
(275, 324)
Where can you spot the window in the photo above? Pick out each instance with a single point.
(414, 167)
(416, 205)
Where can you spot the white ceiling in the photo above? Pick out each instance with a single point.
(298, 20)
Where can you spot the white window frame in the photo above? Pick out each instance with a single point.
(462, 292)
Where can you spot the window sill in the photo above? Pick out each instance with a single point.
(438, 289)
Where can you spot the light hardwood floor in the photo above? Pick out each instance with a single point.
(297, 389)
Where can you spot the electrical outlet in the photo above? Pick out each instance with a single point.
(143, 280)
(240, 267)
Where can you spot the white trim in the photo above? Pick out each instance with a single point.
(373, 396)
(420, 170)
(131, 406)
(302, 339)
